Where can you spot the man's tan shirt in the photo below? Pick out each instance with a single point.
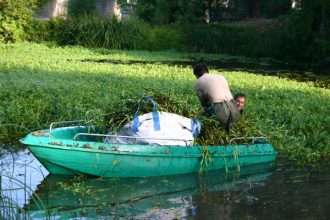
(213, 88)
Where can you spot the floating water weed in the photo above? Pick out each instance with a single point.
(39, 86)
(41, 52)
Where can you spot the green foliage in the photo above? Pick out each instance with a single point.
(211, 134)
(297, 37)
(11, 30)
(145, 9)
(111, 33)
(100, 31)
(15, 17)
(225, 39)
(298, 24)
(41, 30)
(274, 8)
(320, 52)
(164, 12)
(191, 11)
(168, 11)
(182, 11)
(80, 7)
(39, 86)
(283, 45)
(301, 36)
(162, 38)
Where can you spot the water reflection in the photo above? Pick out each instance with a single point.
(287, 194)
(165, 197)
(21, 171)
(256, 192)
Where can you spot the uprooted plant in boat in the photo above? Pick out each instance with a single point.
(211, 134)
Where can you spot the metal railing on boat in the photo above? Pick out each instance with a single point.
(132, 137)
(62, 122)
(251, 138)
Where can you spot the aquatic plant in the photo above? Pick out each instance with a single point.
(211, 134)
(49, 51)
(40, 85)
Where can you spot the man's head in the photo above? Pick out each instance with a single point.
(200, 69)
(240, 100)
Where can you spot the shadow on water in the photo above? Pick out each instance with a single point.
(295, 71)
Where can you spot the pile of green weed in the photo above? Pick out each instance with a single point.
(211, 134)
(125, 109)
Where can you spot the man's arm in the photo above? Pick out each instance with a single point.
(201, 97)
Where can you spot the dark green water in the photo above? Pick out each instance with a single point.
(301, 72)
(264, 191)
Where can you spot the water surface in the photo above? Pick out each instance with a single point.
(264, 191)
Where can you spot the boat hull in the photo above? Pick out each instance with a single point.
(69, 157)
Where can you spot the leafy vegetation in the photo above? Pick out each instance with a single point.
(211, 134)
(102, 32)
(164, 12)
(274, 8)
(15, 17)
(286, 40)
(95, 31)
(80, 7)
(220, 38)
(163, 38)
(48, 50)
(300, 33)
(40, 30)
(39, 85)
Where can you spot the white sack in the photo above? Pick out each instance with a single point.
(172, 126)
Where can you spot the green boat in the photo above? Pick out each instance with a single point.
(74, 151)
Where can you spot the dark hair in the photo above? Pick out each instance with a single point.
(238, 95)
(200, 69)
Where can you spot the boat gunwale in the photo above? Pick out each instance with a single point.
(118, 152)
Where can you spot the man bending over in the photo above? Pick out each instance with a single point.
(214, 94)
